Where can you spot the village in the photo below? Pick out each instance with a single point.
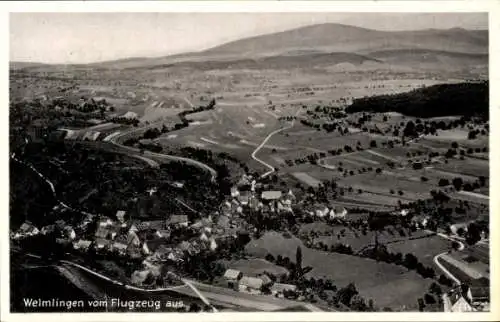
(175, 239)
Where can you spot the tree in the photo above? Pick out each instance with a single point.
(455, 245)
(373, 144)
(358, 303)
(457, 183)
(443, 182)
(410, 261)
(270, 258)
(473, 234)
(429, 299)
(435, 289)
(298, 260)
(345, 294)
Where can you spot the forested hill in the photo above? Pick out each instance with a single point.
(468, 99)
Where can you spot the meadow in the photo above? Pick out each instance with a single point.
(389, 285)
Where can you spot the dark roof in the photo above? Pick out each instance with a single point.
(154, 244)
(478, 292)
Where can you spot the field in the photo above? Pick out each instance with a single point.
(330, 235)
(424, 248)
(255, 266)
(389, 285)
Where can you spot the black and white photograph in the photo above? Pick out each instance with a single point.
(167, 162)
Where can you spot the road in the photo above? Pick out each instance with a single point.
(210, 294)
(438, 256)
(114, 141)
(267, 165)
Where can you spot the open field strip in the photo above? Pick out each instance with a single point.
(382, 155)
(462, 266)
(306, 178)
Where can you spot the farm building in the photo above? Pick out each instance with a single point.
(235, 192)
(179, 220)
(467, 299)
(26, 229)
(82, 244)
(271, 195)
(232, 276)
(279, 288)
(120, 215)
(338, 212)
(250, 285)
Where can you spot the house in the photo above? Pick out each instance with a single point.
(151, 246)
(105, 222)
(232, 277)
(266, 280)
(278, 289)
(69, 232)
(223, 221)
(234, 192)
(338, 212)
(82, 244)
(466, 299)
(478, 295)
(120, 215)
(152, 191)
(101, 243)
(48, 229)
(203, 237)
(26, 229)
(420, 220)
(213, 244)
(133, 239)
(178, 220)
(120, 247)
(178, 184)
(456, 227)
(321, 212)
(202, 223)
(404, 212)
(456, 303)
(244, 198)
(251, 285)
(139, 277)
(163, 233)
(271, 195)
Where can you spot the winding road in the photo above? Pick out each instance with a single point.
(438, 256)
(135, 151)
(254, 153)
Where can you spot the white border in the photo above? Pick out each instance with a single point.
(490, 6)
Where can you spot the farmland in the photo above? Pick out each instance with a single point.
(389, 285)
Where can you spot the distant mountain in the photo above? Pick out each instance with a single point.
(324, 45)
(342, 38)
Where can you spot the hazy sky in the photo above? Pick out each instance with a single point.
(90, 37)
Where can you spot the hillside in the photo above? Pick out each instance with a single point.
(342, 38)
(470, 99)
(271, 62)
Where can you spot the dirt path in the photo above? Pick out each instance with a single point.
(267, 165)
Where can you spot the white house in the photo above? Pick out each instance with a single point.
(250, 284)
(338, 212)
(234, 192)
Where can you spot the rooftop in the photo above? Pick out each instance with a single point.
(271, 195)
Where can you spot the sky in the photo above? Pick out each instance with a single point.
(92, 37)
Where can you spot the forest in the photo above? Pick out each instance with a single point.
(467, 99)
